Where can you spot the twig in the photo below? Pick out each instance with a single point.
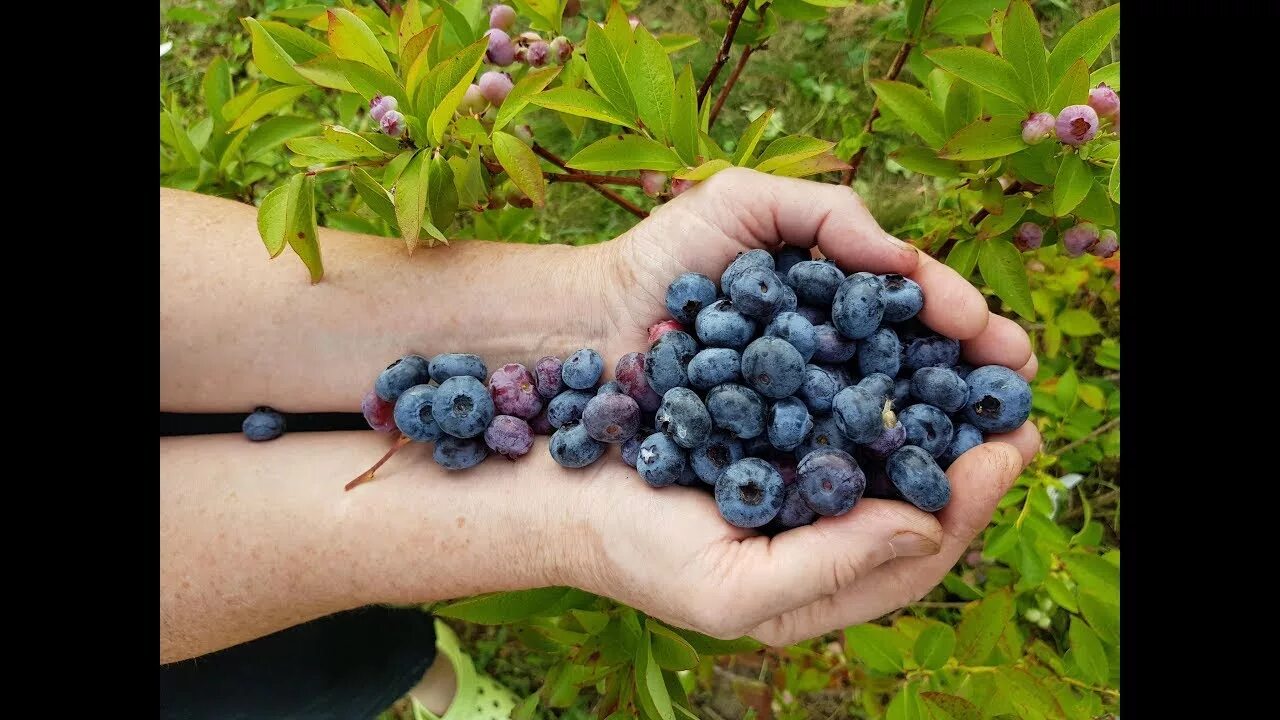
(384, 4)
(723, 56)
(622, 202)
(1014, 188)
(1098, 502)
(894, 70)
(551, 177)
(1098, 431)
(728, 84)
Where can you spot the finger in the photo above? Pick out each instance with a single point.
(801, 565)
(979, 478)
(1026, 438)
(1028, 371)
(774, 210)
(952, 306)
(1002, 342)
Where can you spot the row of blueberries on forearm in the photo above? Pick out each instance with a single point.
(790, 391)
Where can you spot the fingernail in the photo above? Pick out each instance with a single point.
(900, 244)
(909, 544)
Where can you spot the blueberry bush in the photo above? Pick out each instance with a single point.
(985, 131)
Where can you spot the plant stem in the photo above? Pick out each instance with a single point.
(347, 166)
(723, 56)
(1098, 431)
(551, 177)
(384, 4)
(895, 69)
(728, 84)
(367, 475)
(622, 202)
(1014, 188)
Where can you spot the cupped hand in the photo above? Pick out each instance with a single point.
(668, 552)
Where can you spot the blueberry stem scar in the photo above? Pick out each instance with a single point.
(367, 475)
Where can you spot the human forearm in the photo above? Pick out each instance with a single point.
(238, 331)
(258, 537)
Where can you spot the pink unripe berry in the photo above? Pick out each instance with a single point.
(494, 86)
(537, 54)
(501, 52)
(635, 22)
(659, 329)
(679, 186)
(652, 182)
(379, 413)
(1028, 237)
(473, 102)
(1077, 124)
(561, 49)
(1037, 127)
(1080, 239)
(381, 105)
(502, 17)
(1104, 101)
(392, 123)
(1108, 244)
(528, 37)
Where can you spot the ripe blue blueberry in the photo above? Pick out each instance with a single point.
(745, 261)
(737, 409)
(447, 365)
(773, 367)
(462, 406)
(583, 369)
(963, 370)
(453, 453)
(832, 347)
(927, 427)
(830, 481)
(714, 366)
(965, 438)
(893, 437)
(859, 306)
(793, 328)
(787, 301)
(413, 414)
(631, 450)
(795, 511)
(572, 447)
(566, 408)
(688, 294)
(611, 417)
(660, 461)
(610, 388)
(858, 414)
(818, 389)
(901, 393)
(788, 256)
(878, 483)
(709, 459)
(826, 434)
(815, 315)
(509, 436)
(720, 324)
(756, 292)
(930, 351)
(749, 493)
(401, 375)
(939, 387)
(683, 416)
(880, 353)
(903, 298)
(263, 424)
(689, 478)
(999, 399)
(666, 362)
(918, 478)
(878, 384)
(788, 423)
(815, 281)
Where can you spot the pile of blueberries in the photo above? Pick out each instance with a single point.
(799, 391)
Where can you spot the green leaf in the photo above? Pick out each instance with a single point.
(449, 82)
(706, 645)
(1001, 266)
(626, 152)
(531, 84)
(1089, 655)
(704, 171)
(300, 224)
(522, 166)
(352, 143)
(1078, 323)
(963, 257)
(990, 136)
(963, 18)
(300, 45)
(649, 74)
(675, 42)
(271, 218)
(497, 608)
(1103, 616)
(882, 649)
(926, 162)
(351, 39)
(1059, 593)
(171, 128)
(954, 707)
(374, 195)
(1109, 74)
(1065, 395)
(1093, 575)
(457, 30)
(617, 27)
(1023, 47)
(274, 132)
(684, 117)
(583, 103)
(708, 148)
(327, 71)
(671, 651)
(267, 103)
(410, 26)
(1028, 695)
(442, 196)
(216, 88)
(980, 626)
(1073, 90)
(826, 162)
(415, 60)
(1096, 206)
(1086, 39)
(746, 147)
(963, 106)
(411, 205)
(790, 149)
(914, 108)
(607, 76)
(270, 58)
(989, 72)
(934, 646)
(189, 15)
(1071, 184)
(1113, 183)
(915, 17)
(651, 690)
(996, 225)
(525, 709)
(906, 704)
